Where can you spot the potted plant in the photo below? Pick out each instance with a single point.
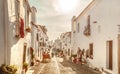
(8, 69)
(25, 66)
(17, 36)
(28, 29)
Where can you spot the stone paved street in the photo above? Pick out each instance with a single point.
(45, 68)
(77, 68)
(51, 68)
(66, 67)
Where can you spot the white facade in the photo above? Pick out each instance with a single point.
(33, 30)
(12, 45)
(42, 41)
(39, 36)
(104, 20)
(39, 40)
(57, 44)
(64, 43)
(16, 45)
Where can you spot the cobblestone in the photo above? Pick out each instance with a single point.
(50, 68)
(66, 67)
(79, 69)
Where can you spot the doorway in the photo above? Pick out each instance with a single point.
(119, 54)
(90, 54)
(24, 52)
(68, 52)
(109, 53)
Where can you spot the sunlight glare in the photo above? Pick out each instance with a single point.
(67, 5)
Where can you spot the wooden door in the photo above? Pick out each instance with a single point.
(110, 54)
(24, 53)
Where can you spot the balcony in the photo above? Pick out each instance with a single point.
(87, 31)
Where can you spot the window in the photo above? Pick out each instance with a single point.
(74, 28)
(88, 20)
(91, 50)
(109, 54)
(38, 52)
(24, 52)
(69, 51)
(17, 7)
(78, 27)
(17, 11)
(37, 37)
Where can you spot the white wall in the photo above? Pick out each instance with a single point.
(106, 13)
(2, 32)
(33, 31)
(11, 47)
(15, 45)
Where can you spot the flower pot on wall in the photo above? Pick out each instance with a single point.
(17, 36)
(28, 29)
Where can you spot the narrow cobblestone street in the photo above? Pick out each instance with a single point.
(60, 37)
(46, 68)
(77, 68)
(66, 67)
(51, 68)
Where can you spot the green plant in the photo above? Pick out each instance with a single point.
(8, 69)
(25, 65)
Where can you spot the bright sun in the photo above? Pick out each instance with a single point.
(67, 5)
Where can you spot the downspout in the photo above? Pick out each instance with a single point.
(5, 10)
(5, 34)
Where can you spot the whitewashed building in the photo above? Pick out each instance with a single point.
(64, 43)
(39, 36)
(40, 40)
(97, 29)
(14, 37)
(57, 44)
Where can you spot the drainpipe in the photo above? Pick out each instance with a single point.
(5, 34)
(5, 13)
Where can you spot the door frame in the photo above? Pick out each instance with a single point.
(118, 53)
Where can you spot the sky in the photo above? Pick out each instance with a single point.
(56, 15)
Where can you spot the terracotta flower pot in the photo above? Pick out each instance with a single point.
(28, 29)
